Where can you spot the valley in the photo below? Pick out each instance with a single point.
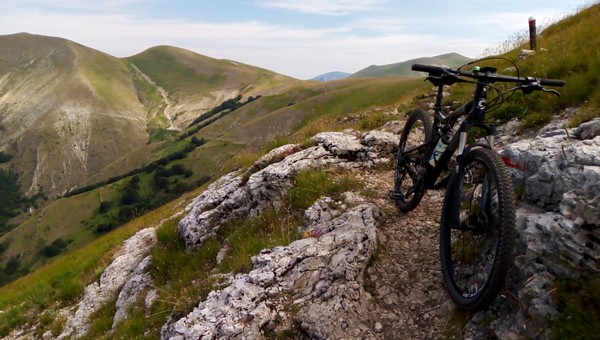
(95, 149)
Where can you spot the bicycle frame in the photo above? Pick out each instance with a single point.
(479, 207)
(458, 141)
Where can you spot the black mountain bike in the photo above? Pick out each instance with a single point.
(478, 218)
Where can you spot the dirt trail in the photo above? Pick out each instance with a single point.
(405, 280)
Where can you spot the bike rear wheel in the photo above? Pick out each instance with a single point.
(409, 184)
(478, 230)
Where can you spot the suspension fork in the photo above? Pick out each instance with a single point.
(473, 119)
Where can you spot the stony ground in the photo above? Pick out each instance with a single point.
(405, 281)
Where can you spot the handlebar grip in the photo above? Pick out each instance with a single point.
(427, 68)
(552, 82)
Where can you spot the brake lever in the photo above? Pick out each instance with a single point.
(446, 78)
(536, 86)
(551, 91)
(529, 88)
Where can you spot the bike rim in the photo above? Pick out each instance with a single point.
(475, 236)
(409, 174)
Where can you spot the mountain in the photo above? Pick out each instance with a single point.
(336, 75)
(70, 114)
(402, 69)
(109, 139)
(66, 111)
(178, 85)
(358, 259)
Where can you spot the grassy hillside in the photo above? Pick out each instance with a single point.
(564, 52)
(287, 111)
(295, 115)
(66, 112)
(190, 84)
(571, 55)
(402, 69)
(315, 107)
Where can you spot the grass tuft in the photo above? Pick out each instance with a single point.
(314, 184)
(578, 301)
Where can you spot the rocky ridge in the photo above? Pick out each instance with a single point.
(322, 286)
(558, 173)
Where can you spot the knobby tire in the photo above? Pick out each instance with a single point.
(477, 230)
(409, 184)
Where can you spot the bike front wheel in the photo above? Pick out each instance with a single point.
(477, 230)
(409, 184)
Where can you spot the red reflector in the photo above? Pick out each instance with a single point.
(511, 164)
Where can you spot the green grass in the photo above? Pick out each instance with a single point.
(183, 278)
(247, 237)
(168, 71)
(62, 279)
(313, 184)
(564, 52)
(569, 55)
(578, 302)
(360, 95)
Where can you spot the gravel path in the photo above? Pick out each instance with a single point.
(405, 280)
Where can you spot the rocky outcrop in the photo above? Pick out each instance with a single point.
(130, 263)
(314, 287)
(247, 194)
(321, 278)
(558, 223)
(323, 271)
(558, 171)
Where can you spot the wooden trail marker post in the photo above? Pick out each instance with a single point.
(532, 34)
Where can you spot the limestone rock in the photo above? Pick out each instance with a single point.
(240, 195)
(138, 282)
(320, 277)
(558, 236)
(132, 253)
(588, 130)
(557, 172)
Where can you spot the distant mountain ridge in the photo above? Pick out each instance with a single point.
(336, 75)
(402, 69)
(66, 111)
(69, 113)
(77, 121)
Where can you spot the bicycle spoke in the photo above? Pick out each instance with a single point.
(408, 181)
(471, 244)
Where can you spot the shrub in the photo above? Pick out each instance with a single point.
(104, 207)
(12, 266)
(4, 157)
(198, 142)
(4, 245)
(178, 169)
(106, 226)
(55, 248)
(130, 197)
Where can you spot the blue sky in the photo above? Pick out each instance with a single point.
(299, 38)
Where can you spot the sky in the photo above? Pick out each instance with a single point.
(298, 38)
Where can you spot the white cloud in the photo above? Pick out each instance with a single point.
(299, 52)
(302, 52)
(334, 7)
(97, 5)
(380, 25)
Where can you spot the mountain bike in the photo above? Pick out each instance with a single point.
(477, 230)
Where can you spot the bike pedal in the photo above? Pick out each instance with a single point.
(394, 195)
(442, 184)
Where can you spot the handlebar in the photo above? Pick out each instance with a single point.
(486, 75)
